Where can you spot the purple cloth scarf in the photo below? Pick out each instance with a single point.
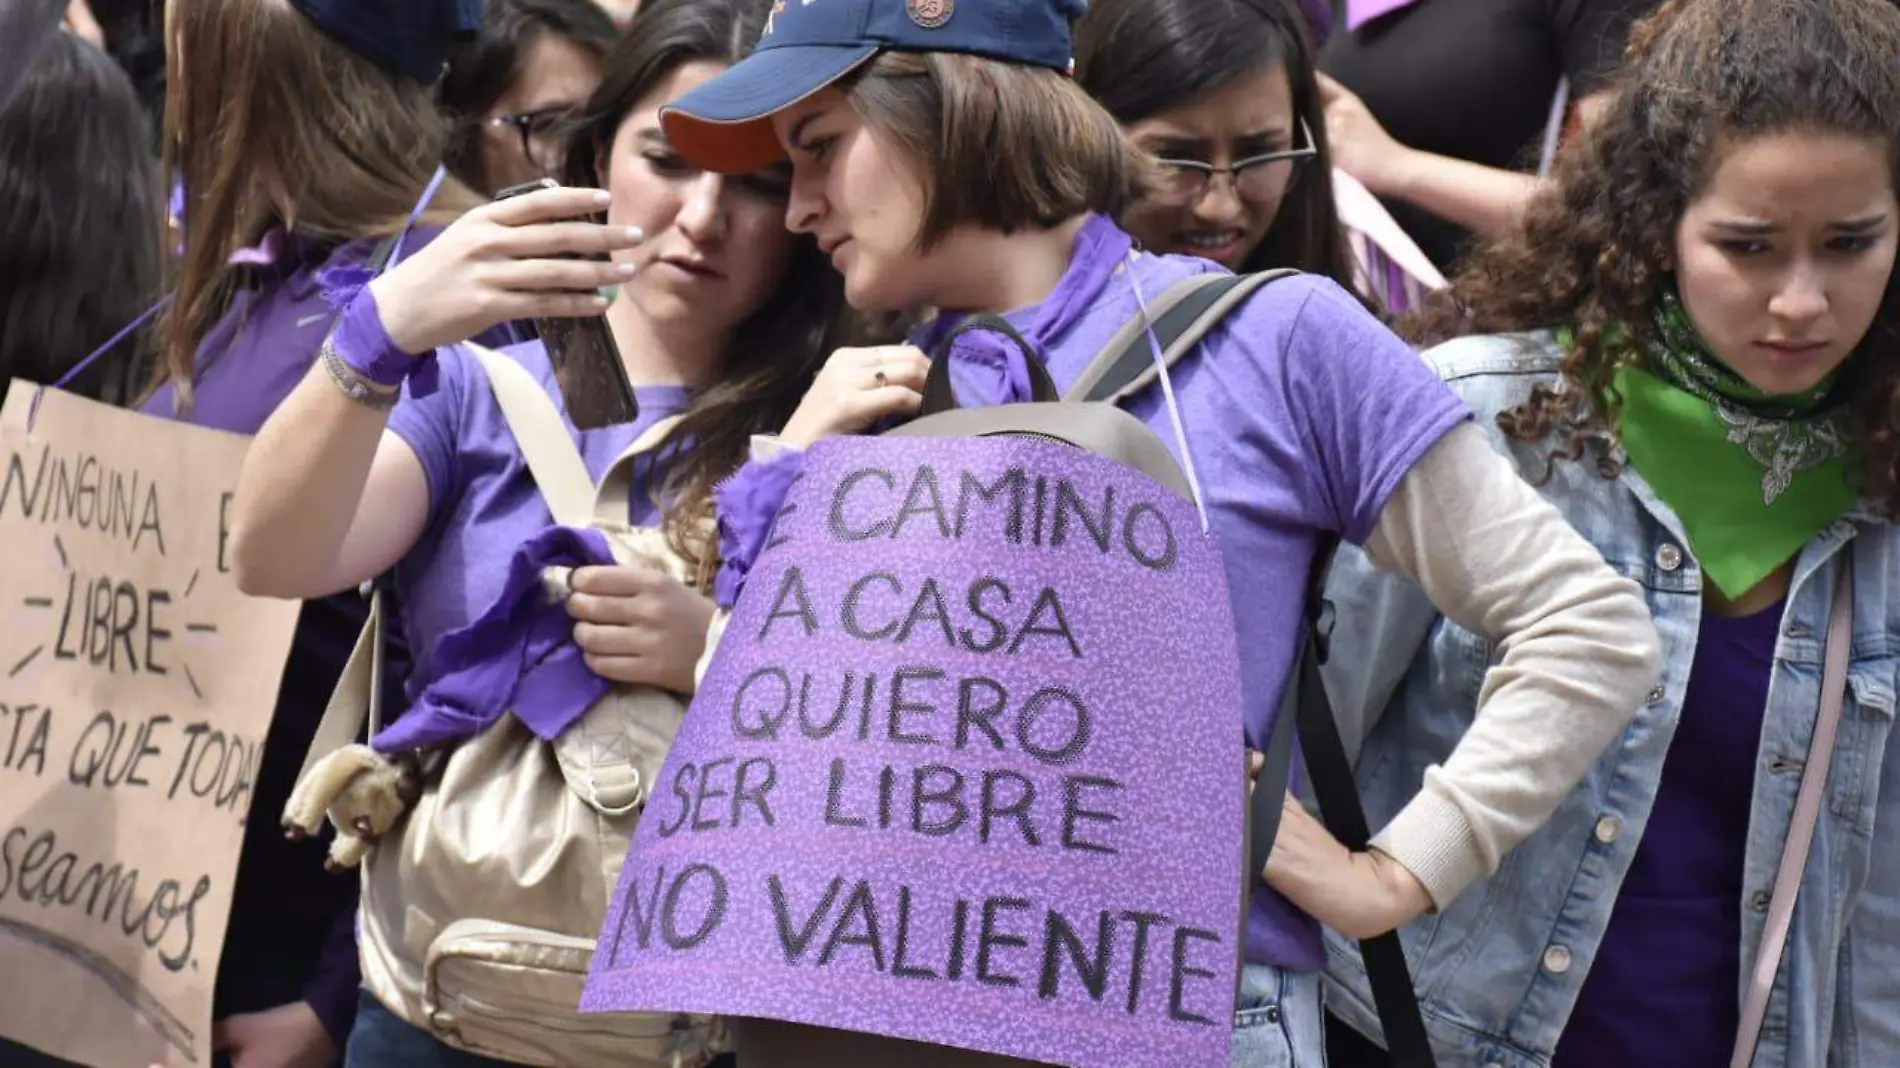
(517, 656)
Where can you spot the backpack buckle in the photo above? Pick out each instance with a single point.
(1320, 620)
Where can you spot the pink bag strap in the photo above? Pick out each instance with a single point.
(1807, 813)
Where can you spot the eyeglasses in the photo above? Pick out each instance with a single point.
(1257, 178)
(538, 130)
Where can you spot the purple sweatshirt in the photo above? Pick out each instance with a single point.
(1302, 414)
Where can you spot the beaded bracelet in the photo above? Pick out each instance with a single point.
(353, 384)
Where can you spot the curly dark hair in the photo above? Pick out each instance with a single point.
(1594, 246)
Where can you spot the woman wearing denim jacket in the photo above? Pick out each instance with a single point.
(1693, 354)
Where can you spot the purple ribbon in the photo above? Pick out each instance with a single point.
(1360, 12)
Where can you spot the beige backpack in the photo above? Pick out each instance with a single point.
(481, 909)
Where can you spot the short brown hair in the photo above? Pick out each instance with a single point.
(999, 145)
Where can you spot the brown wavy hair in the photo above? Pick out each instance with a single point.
(775, 354)
(270, 121)
(998, 145)
(1594, 246)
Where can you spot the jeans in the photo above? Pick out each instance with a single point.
(1278, 1021)
(383, 1041)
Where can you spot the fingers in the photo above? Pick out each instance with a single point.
(893, 359)
(887, 356)
(617, 580)
(868, 407)
(616, 611)
(634, 671)
(1330, 90)
(858, 387)
(567, 239)
(547, 205)
(879, 382)
(598, 639)
(544, 276)
(553, 304)
(900, 372)
(1291, 809)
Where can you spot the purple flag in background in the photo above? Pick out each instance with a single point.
(966, 768)
(1360, 12)
(1319, 18)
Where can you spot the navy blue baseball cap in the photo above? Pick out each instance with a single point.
(408, 38)
(725, 124)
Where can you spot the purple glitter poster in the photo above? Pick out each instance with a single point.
(966, 768)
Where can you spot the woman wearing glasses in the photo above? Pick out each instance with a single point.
(1223, 93)
(513, 86)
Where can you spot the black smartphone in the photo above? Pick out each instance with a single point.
(593, 380)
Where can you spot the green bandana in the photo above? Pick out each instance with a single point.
(1752, 477)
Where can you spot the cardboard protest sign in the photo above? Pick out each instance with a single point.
(136, 689)
(966, 768)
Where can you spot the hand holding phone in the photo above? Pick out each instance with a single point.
(524, 259)
(587, 364)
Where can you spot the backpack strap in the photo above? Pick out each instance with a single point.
(940, 394)
(1182, 316)
(1809, 800)
(542, 433)
(1337, 791)
(613, 502)
(380, 256)
(358, 696)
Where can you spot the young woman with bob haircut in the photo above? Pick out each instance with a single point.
(720, 317)
(950, 163)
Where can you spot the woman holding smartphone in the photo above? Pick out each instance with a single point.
(719, 315)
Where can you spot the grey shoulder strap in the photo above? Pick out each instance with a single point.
(1181, 316)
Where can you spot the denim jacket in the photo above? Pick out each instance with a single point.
(1499, 970)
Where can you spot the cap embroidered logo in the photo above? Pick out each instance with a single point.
(772, 18)
(931, 14)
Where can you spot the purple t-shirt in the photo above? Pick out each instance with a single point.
(483, 501)
(252, 358)
(288, 915)
(1662, 987)
(1303, 414)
